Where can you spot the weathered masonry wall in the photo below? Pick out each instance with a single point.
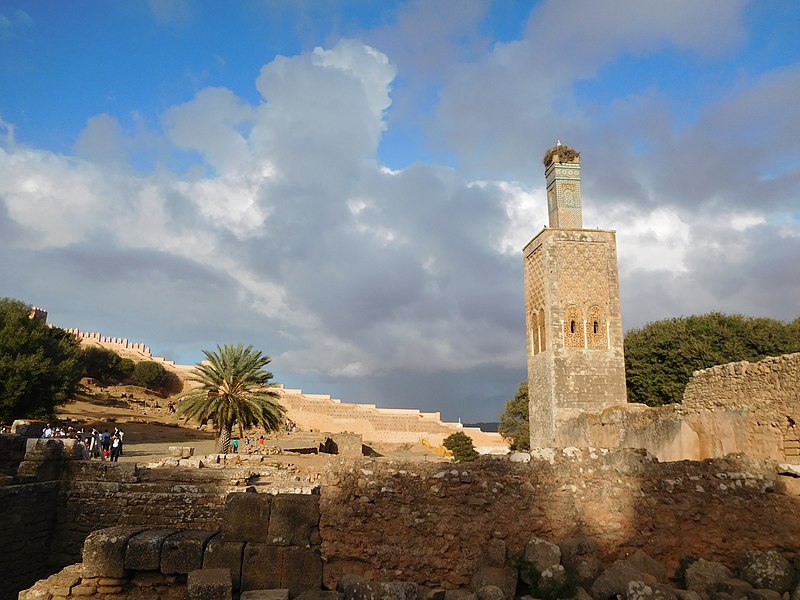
(98, 495)
(44, 524)
(738, 407)
(763, 398)
(429, 522)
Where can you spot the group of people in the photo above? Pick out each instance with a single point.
(58, 432)
(105, 445)
(102, 445)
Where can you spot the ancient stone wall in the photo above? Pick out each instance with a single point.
(27, 516)
(95, 495)
(737, 407)
(429, 523)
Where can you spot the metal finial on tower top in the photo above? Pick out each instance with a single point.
(562, 153)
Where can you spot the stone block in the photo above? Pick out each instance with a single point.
(643, 563)
(354, 587)
(30, 429)
(181, 451)
(400, 590)
(104, 551)
(319, 595)
(767, 570)
(84, 590)
(35, 593)
(182, 552)
(144, 550)
(491, 592)
(44, 449)
(579, 555)
(265, 595)
(293, 519)
(220, 554)
(763, 594)
(703, 576)
(113, 581)
(301, 569)
(209, 584)
(735, 587)
(504, 578)
(639, 590)
(542, 554)
(74, 449)
(110, 589)
(246, 517)
(261, 567)
(614, 581)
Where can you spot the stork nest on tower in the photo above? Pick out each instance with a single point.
(565, 154)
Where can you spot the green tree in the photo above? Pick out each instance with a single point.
(460, 444)
(104, 365)
(661, 357)
(514, 422)
(233, 389)
(39, 365)
(150, 374)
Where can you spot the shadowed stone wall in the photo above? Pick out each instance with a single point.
(27, 518)
(430, 523)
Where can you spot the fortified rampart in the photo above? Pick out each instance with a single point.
(431, 522)
(395, 425)
(126, 348)
(737, 407)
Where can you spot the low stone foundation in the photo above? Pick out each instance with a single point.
(266, 542)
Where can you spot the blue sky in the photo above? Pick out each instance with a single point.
(348, 185)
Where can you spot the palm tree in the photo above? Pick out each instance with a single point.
(233, 389)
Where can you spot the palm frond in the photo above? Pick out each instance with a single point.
(233, 388)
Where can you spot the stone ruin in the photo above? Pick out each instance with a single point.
(393, 530)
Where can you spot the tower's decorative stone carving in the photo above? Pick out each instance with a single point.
(573, 320)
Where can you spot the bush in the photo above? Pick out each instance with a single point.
(460, 444)
(104, 365)
(126, 367)
(150, 374)
(661, 357)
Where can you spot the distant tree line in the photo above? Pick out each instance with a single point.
(661, 357)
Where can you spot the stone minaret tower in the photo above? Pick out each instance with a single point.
(573, 321)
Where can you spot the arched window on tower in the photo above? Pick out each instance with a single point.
(573, 327)
(535, 335)
(542, 336)
(597, 329)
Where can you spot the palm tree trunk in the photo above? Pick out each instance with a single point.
(224, 441)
